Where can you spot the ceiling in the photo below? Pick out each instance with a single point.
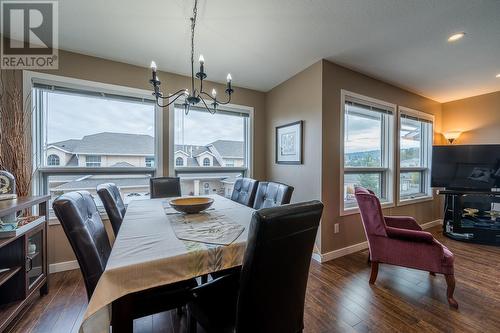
(263, 43)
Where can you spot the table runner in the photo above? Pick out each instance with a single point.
(147, 254)
(207, 227)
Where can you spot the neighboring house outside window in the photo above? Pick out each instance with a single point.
(368, 148)
(179, 161)
(150, 162)
(93, 161)
(91, 155)
(53, 160)
(226, 145)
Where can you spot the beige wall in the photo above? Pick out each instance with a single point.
(478, 118)
(298, 98)
(84, 67)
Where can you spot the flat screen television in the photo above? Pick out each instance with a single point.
(466, 167)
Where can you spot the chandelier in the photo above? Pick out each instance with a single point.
(193, 96)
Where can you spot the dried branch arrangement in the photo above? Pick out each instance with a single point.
(15, 131)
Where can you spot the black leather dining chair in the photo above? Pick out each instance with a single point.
(268, 294)
(85, 231)
(272, 194)
(113, 204)
(164, 187)
(244, 191)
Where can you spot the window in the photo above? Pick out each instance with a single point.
(150, 162)
(53, 160)
(229, 163)
(93, 161)
(415, 150)
(207, 141)
(368, 150)
(99, 133)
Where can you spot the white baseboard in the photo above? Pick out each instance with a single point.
(324, 257)
(63, 266)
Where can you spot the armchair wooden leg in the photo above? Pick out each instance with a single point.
(374, 273)
(368, 259)
(450, 282)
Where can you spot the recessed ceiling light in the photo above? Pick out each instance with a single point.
(455, 37)
(497, 76)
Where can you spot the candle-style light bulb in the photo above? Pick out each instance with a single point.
(229, 78)
(214, 93)
(153, 66)
(201, 59)
(186, 92)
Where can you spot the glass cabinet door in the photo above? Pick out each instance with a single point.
(34, 258)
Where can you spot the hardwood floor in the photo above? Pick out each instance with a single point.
(339, 298)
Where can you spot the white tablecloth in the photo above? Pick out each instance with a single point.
(147, 254)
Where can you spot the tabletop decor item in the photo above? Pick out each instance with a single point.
(289, 143)
(191, 205)
(7, 186)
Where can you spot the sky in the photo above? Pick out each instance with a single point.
(72, 117)
(364, 134)
(202, 128)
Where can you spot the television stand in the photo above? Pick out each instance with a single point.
(468, 216)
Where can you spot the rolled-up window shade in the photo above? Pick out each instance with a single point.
(91, 93)
(416, 118)
(369, 106)
(219, 111)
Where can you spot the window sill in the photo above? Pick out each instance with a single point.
(355, 210)
(412, 201)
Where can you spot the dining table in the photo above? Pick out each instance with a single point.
(150, 250)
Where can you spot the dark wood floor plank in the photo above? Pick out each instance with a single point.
(338, 299)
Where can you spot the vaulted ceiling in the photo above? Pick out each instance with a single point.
(264, 42)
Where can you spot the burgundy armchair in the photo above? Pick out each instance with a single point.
(399, 240)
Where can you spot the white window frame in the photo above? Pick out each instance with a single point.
(42, 172)
(247, 171)
(93, 164)
(426, 156)
(388, 169)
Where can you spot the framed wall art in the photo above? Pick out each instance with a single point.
(289, 143)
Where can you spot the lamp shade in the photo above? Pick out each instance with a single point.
(452, 135)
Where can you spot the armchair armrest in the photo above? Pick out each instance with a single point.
(411, 235)
(217, 287)
(402, 222)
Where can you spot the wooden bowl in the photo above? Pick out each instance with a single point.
(191, 205)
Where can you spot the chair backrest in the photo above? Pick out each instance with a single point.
(83, 226)
(113, 203)
(271, 194)
(164, 187)
(371, 212)
(276, 267)
(244, 191)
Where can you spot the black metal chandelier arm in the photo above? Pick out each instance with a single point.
(171, 95)
(172, 101)
(212, 111)
(218, 102)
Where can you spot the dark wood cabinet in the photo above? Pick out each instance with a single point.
(23, 258)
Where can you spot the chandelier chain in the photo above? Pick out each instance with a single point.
(193, 26)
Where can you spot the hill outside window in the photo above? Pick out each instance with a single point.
(368, 149)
